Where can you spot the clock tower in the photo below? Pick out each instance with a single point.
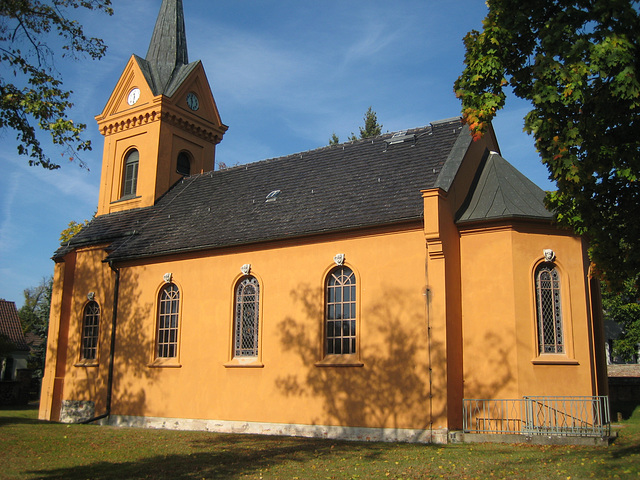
(160, 123)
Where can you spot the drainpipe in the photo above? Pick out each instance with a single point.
(427, 312)
(114, 321)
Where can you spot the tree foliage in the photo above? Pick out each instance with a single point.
(578, 63)
(31, 93)
(34, 316)
(72, 229)
(624, 308)
(371, 128)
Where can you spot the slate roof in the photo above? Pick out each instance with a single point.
(501, 191)
(10, 326)
(336, 188)
(167, 62)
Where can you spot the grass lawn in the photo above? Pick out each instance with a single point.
(33, 449)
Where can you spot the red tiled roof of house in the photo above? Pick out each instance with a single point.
(33, 340)
(10, 325)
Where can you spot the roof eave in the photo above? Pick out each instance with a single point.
(201, 248)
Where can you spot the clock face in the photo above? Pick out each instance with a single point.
(192, 101)
(133, 97)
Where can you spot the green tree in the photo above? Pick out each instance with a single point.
(72, 229)
(31, 93)
(624, 308)
(371, 126)
(370, 129)
(34, 316)
(578, 64)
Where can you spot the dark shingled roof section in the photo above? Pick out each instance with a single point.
(10, 327)
(502, 192)
(167, 65)
(342, 187)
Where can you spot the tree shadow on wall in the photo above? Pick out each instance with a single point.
(391, 390)
(135, 342)
(133, 347)
(394, 388)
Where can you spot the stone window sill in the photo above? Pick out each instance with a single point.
(87, 363)
(165, 363)
(244, 362)
(552, 359)
(340, 361)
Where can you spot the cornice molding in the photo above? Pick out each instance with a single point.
(213, 135)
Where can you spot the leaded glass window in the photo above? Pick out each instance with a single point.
(130, 183)
(341, 312)
(90, 325)
(549, 311)
(246, 317)
(168, 317)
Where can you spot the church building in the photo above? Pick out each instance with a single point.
(361, 290)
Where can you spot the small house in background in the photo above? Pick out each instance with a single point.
(380, 289)
(14, 356)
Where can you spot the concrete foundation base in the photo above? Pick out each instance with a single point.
(461, 437)
(293, 430)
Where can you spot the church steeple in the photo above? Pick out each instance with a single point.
(167, 52)
(161, 121)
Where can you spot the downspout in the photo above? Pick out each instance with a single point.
(114, 321)
(427, 301)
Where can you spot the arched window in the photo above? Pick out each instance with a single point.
(130, 183)
(549, 310)
(246, 321)
(168, 317)
(90, 326)
(340, 312)
(183, 166)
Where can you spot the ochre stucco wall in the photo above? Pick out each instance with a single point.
(499, 314)
(390, 389)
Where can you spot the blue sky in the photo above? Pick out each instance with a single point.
(285, 74)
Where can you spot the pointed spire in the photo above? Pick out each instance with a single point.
(168, 47)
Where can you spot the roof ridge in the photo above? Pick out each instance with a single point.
(356, 142)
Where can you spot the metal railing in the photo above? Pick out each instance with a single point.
(534, 415)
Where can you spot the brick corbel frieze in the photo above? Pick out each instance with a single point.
(138, 120)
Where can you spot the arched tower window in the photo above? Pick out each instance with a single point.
(183, 166)
(130, 183)
(168, 317)
(340, 312)
(246, 317)
(90, 326)
(549, 310)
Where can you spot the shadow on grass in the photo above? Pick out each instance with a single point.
(19, 415)
(218, 457)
